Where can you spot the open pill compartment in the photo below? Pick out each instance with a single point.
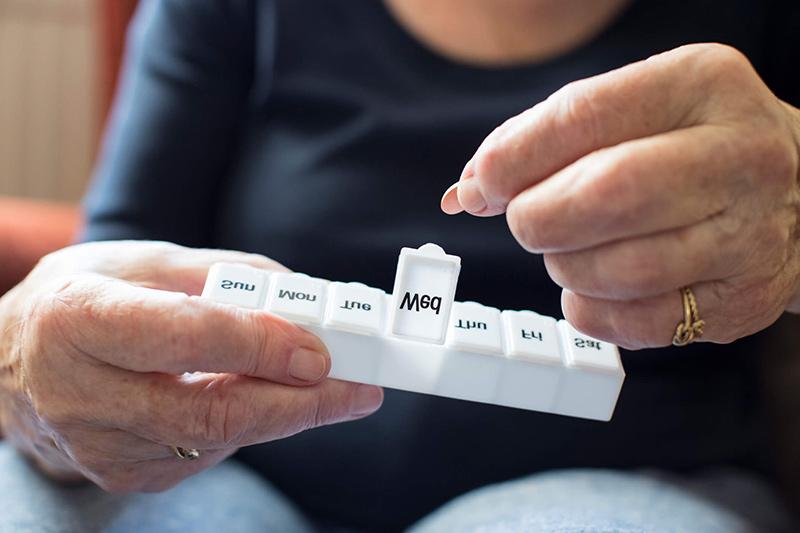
(419, 339)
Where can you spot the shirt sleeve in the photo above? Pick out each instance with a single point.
(173, 131)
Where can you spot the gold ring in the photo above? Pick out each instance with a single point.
(188, 454)
(691, 328)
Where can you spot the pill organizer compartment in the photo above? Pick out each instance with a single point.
(419, 339)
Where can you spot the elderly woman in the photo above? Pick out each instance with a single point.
(322, 135)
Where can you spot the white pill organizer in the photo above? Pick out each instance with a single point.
(419, 339)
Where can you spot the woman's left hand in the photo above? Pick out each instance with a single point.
(681, 170)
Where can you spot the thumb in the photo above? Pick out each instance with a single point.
(162, 265)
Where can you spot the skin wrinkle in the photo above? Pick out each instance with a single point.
(783, 271)
(9, 373)
(577, 189)
(579, 267)
(764, 310)
(729, 58)
(231, 437)
(221, 417)
(29, 312)
(749, 311)
(754, 255)
(263, 344)
(709, 218)
(754, 186)
(80, 313)
(77, 301)
(150, 410)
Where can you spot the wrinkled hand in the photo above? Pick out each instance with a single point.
(93, 350)
(681, 170)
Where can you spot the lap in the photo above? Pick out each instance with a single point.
(602, 500)
(233, 499)
(226, 498)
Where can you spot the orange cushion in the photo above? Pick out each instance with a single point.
(29, 230)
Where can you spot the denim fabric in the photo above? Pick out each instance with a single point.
(226, 499)
(232, 499)
(723, 501)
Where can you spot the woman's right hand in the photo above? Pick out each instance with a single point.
(94, 349)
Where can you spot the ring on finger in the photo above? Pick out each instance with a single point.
(186, 454)
(691, 328)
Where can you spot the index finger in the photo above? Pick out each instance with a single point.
(635, 101)
(149, 330)
(216, 411)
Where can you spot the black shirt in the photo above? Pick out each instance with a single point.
(321, 134)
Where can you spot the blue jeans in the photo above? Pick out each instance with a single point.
(232, 499)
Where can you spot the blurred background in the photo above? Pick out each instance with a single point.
(58, 64)
(59, 61)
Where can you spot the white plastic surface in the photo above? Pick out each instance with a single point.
(297, 297)
(532, 337)
(593, 376)
(236, 284)
(514, 358)
(475, 328)
(355, 307)
(424, 289)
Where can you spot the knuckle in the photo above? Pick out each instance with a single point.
(51, 408)
(221, 417)
(600, 322)
(515, 218)
(309, 416)
(723, 56)
(612, 173)
(265, 346)
(579, 312)
(489, 164)
(319, 410)
(496, 157)
(737, 318)
(727, 226)
(48, 317)
(558, 268)
(67, 315)
(490, 154)
(183, 333)
(576, 111)
(526, 233)
(774, 159)
(723, 66)
(55, 397)
(74, 298)
(636, 274)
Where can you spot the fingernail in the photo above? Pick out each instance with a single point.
(449, 202)
(307, 365)
(470, 197)
(366, 400)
